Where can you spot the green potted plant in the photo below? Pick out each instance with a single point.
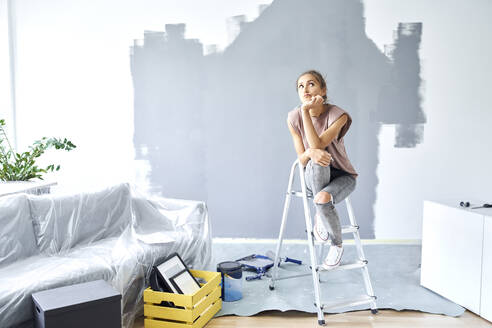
(22, 166)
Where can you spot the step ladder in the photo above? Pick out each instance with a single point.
(361, 263)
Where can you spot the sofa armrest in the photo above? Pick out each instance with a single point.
(164, 220)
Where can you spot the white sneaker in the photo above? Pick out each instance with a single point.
(333, 258)
(319, 231)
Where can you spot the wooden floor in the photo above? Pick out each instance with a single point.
(385, 318)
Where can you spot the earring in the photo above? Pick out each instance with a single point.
(465, 204)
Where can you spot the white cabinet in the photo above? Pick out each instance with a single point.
(486, 302)
(457, 255)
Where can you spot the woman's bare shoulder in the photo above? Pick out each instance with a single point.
(295, 110)
(294, 114)
(335, 107)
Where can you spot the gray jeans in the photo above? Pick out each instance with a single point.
(339, 184)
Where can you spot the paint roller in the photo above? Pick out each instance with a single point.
(271, 255)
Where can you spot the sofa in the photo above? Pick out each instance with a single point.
(115, 234)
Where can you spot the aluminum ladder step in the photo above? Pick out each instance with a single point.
(348, 266)
(299, 194)
(349, 229)
(345, 229)
(364, 299)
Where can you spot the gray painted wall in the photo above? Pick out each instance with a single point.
(213, 127)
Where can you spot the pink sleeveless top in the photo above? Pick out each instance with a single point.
(321, 123)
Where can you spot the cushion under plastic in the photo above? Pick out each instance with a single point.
(62, 222)
(17, 240)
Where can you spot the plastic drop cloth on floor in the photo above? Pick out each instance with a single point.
(115, 234)
(394, 270)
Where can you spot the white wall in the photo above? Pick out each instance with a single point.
(5, 100)
(455, 159)
(74, 81)
(74, 76)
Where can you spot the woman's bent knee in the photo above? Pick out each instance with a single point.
(322, 197)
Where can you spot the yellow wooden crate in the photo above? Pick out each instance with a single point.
(199, 307)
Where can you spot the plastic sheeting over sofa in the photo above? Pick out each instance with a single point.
(114, 234)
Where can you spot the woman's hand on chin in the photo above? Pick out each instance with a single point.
(320, 156)
(314, 102)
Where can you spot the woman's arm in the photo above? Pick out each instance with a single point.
(322, 141)
(319, 156)
(332, 132)
(302, 154)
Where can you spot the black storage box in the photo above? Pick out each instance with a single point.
(92, 304)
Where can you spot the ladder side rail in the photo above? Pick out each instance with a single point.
(357, 241)
(360, 252)
(309, 230)
(288, 196)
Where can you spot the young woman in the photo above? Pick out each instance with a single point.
(317, 129)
